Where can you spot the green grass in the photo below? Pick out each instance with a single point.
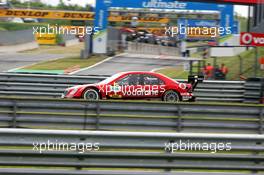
(2, 29)
(196, 43)
(248, 63)
(225, 38)
(243, 23)
(9, 26)
(66, 63)
(174, 72)
(44, 49)
(233, 63)
(71, 60)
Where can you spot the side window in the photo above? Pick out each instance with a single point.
(123, 81)
(152, 80)
(132, 79)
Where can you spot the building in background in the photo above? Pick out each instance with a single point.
(257, 21)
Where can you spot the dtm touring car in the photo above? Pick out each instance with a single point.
(136, 85)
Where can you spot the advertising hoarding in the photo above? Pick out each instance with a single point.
(252, 39)
(102, 6)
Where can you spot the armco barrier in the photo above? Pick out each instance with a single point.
(19, 171)
(54, 85)
(115, 152)
(131, 116)
(254, 90)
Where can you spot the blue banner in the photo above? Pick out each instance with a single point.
(236, 27)
(101, 11)
(102, 6)
(165, 4)
(202, 23)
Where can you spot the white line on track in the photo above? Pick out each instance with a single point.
(157, 69)
(15, 69)
(86, 68)
(22, 67)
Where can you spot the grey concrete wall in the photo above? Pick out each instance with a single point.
(70, 40)
(142, 48)
(259, 28)
(16, 37)
(19, 47)
(68, 37)
(114, 39)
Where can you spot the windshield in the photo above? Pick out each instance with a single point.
(108, 80)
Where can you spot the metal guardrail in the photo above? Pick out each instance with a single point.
(220, 91)
(55, 79)
(131, 116)
(19, 171)
(22, 171)
(254, 90)
(155, 152)
(54, 85)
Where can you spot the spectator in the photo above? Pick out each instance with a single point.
(205, 72)
(188, 53)
(224, 71)
(183, 48)
(218, 73)
(205, 53)
(210, 71)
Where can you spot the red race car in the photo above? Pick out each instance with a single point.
(136, 85)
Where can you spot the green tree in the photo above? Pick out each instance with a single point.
(60, 6)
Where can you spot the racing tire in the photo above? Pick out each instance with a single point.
(171, 96)
(91, 95)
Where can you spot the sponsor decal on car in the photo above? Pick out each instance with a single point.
(131, 90)
(116, 88)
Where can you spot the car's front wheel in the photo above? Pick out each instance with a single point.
(91, 95)
(171, 96)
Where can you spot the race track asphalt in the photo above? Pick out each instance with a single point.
(17, 60)
(125, 63)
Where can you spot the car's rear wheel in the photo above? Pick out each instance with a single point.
(91, 95)
(171, 96)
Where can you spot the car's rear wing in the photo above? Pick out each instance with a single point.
(195, 79)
